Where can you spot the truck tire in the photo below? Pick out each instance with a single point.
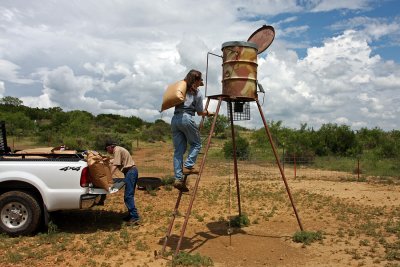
(20, 213)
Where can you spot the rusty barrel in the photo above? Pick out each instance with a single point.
(239, 69)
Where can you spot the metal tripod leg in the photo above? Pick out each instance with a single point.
(193, 195)
(279, 165)
(235, 168)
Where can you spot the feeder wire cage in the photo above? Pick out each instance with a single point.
(240, 111)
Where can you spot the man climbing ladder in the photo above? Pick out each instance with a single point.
(185, 130)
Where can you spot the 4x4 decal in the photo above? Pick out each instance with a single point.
(70, 168)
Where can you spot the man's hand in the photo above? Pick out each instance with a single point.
(208, 114)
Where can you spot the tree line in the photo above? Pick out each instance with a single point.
(76, 129)
(81, 129)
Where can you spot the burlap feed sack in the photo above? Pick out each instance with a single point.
(99, 170)
(45, 150)
(107, 164)
(174, 95)
(40, 150)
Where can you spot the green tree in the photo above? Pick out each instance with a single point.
(221, 125)
(17, 123)
(278, 133)
(79, 123)
(370, 138)
(242, 149)
(390, 145)
(11, 101)
(336, 140)
(156, 132)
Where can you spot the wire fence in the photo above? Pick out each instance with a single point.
(258, 166)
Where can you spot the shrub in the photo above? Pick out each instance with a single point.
(186, 259)
(101, 138)
(242, 149)
(307, 237)
(240, 221)
(156, 132)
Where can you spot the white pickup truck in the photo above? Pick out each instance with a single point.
(31, 187)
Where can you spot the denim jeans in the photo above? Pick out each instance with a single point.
(184, 131)
(130, 180)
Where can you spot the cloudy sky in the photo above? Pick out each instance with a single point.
(331, 61)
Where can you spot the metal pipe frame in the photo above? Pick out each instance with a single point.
(279, 165)
(229, 100)
(235, 168)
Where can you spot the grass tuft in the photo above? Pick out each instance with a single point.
(307, 237)
(186, 259)
(240, 221)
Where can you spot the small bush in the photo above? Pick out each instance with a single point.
(102, 138)
(158, 131)
(307, 237)
(167, 180)
(52, 228)
(242, 149)
(240, 221)
(186, 259)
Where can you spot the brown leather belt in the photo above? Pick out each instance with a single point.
(128, 169)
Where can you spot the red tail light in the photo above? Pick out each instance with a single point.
(85, 177)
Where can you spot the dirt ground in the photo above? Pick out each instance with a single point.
(359, 222)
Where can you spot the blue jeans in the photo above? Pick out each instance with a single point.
(130, 180)
(184, 131)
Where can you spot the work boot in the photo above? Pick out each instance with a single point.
(190, 170)
(133, 221)
(126, 218)
(181, 186)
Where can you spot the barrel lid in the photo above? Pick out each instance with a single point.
(239, 43)
(263, 37)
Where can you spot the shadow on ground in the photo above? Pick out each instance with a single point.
(87, 221)
(216, 229)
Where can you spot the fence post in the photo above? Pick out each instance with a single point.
(294, 165)
(283, 157)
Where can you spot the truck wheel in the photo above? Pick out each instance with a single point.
(20, 213)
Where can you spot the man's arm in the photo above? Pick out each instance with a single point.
(113, 168)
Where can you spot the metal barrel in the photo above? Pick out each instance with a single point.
(239, 69)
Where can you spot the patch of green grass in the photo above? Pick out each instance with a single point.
(52, 228)
(151, 191)
(392, 251)
(270, 214)
(110, 239)
(393, 227)
(370, 228)
(355, 254)
(369, 165)
(306, 237)
(186, 259)
(141, 245)
(125, 235)
(212, 194)
(364, 242)
(199, 217)
(168, 180)
(14, 257)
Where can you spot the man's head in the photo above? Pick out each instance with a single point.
(110, 146)
(194, 79)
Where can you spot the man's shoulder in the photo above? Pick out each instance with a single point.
(120, 149)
